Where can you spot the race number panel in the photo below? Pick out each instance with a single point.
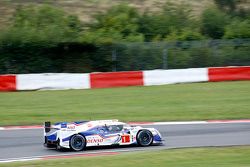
(125, 138)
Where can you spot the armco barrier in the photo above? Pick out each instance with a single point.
(55, 81)
(229, 73)
(116, 79)
(52, 81)
(161, 77)
(7, 82)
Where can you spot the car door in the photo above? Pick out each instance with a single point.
(123, 137)
(108, 137)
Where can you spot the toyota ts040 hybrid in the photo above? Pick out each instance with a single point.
(79, 135)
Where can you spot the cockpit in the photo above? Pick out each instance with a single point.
(114, 128)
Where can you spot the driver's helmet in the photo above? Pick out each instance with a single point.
(119, 127)
(110, 128)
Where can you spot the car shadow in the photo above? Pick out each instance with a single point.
(103, 148)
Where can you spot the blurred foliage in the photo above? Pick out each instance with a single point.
(47, 39)
(229, 5)
(238, 29)
(213, 23)
(172, 18)
(44, 25)
(185, 35)
(233, 7)
(120, 23)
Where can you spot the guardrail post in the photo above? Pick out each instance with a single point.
(165, 59)
(114, 58)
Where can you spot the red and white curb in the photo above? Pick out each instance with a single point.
(144, 123)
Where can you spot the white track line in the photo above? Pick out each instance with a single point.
(44, 157)
(20, 160)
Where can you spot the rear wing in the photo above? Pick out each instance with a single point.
(47, 126)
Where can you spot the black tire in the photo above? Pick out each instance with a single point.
(144, 138)
(78, 142)
(58, 147)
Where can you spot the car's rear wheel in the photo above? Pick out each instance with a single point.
(58, 146)
(144, 138)
(77, 142)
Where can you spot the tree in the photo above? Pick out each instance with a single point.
(238, 29)
(185, 35)
(213, 23)
(233, 7)
(43, 24)
(120, 23)
(227, 5)
(34, 31)
(172, 18)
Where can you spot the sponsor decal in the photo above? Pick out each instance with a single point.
(70, 127)
(63, 125)
(94, 140)
(133, 138)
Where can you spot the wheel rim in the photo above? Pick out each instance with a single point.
(145, 138)
(77, 143)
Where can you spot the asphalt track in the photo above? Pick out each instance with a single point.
(28, 143)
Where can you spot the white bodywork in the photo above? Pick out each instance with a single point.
(98, 133)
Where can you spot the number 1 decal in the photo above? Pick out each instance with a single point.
(125, 138)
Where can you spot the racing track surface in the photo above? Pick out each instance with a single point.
(29, 143)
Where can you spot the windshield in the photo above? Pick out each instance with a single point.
(115, 128)
(126, 125)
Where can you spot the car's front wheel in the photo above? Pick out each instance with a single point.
(144, 138)
(77, 142)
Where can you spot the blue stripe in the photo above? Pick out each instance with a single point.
(157, 138)
(66, 139)
(52, 137)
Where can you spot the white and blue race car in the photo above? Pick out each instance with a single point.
(79, 135)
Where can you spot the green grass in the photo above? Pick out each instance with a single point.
(195, 157)
(197, 101)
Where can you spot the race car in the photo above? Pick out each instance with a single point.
(80, 135)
